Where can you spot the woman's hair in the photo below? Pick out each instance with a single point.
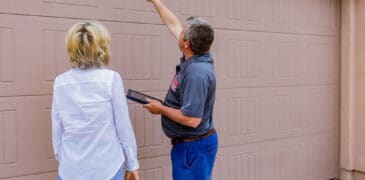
(88, 45)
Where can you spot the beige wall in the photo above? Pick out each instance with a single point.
(353, 90)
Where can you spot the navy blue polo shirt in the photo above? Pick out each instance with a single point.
(192, 90)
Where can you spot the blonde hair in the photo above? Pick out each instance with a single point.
(88, 45)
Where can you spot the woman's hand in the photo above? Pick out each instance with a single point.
(131, 175)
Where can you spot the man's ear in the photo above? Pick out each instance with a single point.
(186, 44)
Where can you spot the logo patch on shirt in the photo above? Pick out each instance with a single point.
(174, 83)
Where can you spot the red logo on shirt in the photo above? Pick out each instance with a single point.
(174, 83)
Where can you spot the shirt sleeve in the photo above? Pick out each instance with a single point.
(57, 129)
(123, 123)
(193, 93)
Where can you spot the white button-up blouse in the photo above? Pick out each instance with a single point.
(91, 130)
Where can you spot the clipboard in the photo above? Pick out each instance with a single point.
(139, 97)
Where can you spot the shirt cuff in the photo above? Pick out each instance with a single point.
(131, 159)
(132, 165)
(191, 114)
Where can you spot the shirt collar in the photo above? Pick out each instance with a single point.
(207, 57)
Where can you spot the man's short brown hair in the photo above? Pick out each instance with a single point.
(199, 33)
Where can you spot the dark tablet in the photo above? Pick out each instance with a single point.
(140, 97)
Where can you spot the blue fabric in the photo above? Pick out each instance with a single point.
(193, 92)
(194, 160)
(118, 176)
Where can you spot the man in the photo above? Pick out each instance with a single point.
(188, 107)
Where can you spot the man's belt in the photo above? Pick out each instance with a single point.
(182, 140)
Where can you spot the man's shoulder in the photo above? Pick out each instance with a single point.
(200, 68)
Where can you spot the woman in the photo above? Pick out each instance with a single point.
(91, 130)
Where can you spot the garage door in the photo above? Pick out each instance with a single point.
(277, 64)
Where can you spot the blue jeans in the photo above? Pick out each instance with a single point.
(118, 176)
(194, 160)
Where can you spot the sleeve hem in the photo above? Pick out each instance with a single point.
(191, 114)
(133, 167)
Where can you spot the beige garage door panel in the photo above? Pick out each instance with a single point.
(150, 138)
(267, 114)
(25, 127)
(17, 58)
(112, 10)
(299, 16)
(292, 16)
(145, 59)
(305, 158)
(155, 168)
(33, 53)
(278, 133)
(256, 59)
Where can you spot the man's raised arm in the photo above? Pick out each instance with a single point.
(168, 17)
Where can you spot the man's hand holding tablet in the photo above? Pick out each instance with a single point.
(140, 97)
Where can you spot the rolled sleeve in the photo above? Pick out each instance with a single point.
(193, 93)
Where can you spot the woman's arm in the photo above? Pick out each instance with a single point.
(57, 129)
(123, 123)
